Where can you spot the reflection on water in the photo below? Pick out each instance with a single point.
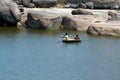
(27, 54)
(71, 44)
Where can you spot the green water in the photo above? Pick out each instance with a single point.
(27, 54)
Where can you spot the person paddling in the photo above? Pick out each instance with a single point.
(66, 36)
(77, 37)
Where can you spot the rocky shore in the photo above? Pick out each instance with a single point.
(83, 18)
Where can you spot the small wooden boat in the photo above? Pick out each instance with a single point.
(71, 40)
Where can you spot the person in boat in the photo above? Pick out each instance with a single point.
(66, 36)
(77, 37)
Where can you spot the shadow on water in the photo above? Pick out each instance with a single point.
(77, 44)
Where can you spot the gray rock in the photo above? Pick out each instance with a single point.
(78, 22)
(103, 4)
(15, 11)
(9, 12)
(45, 3)
(74, 5)
(43, 20)
(81, 12)
(69, 23)
(108, 29)
(115, 6)
(67, 5)
(26, 2)
(97, 4)
(31, 5)
(82, 5)
(90, 5)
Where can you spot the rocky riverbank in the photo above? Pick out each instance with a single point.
(81, 16)
(100, 22)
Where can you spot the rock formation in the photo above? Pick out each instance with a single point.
(45, 3)
(97, 4)
(9, 12)
(95, 21)
(104, 4)
(81, 12)
(78, 22)
(42, 20)
(109, 29)
(28, 3)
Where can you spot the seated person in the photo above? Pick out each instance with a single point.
(66, 36)
(77, 37)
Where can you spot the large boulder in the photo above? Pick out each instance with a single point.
(15, 11)
(78, 22)
(9, 12)
(41, 20)
(81, 12)
(69, 23)
(82, 21)
(90, 5)
(110, 29)
(45, 3)
(28, 3)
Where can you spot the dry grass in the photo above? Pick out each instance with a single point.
(59, 5)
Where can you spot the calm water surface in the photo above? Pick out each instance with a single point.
(40, 55)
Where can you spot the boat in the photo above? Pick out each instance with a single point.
(71, 40)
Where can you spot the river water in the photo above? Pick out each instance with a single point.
(41, 55)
